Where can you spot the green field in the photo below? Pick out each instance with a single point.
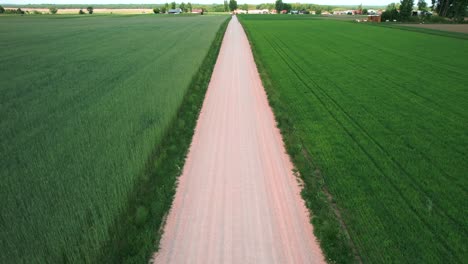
(376, 121)
(84, 103)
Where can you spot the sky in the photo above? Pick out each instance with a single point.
(320, 2)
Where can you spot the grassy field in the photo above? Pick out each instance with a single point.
(84, 103)
(375, 119)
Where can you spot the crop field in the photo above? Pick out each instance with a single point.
(84, 101)
(382, 112)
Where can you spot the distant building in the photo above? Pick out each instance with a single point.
(256, 11)
(174, 11)
(374, 18)
(240, 11)
(339, 12)
(274, 11)
(197, 11)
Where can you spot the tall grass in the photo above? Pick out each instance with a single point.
(134, 237)
(84, 102)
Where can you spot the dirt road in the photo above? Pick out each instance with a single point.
(237, 200)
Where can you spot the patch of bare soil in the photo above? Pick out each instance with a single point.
(461, 28)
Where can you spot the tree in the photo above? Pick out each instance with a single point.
(2, 10)
(173, 5)
(318, 11)
(391, 13)
(406, 8)
(19, 11)
(182, 7)
(189, 7)
(53, 10)
(287, 7)
(166, 7)
(279, 6)
(163, 10)
(422, 5)
(156, 10)
(90, 10)
(232, 5)
(245, 7)
(364, 11)
(226, 6)
(455, 9)
(81, 12)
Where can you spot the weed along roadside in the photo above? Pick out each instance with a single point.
(135, 236)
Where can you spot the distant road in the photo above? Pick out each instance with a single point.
(237, 200)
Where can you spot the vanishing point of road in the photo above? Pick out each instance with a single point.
(238, 200)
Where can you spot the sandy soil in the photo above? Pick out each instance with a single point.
(237, 200)
(462, 28)
(96, 10)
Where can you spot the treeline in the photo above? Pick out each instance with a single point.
(206, 7)
(279, 6)
(186, 8)
(405, 10)
(454, 9)
(81, 6)
(52, 10)
(225, 7)
(11, 11)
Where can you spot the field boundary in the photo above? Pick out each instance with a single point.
(136, 234)
(329, 226)
(443, 33)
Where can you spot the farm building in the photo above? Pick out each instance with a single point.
(257, 11)
(339, 12)
(374, 18)
(197, 11)
(240, 11)
(174, 11)
(274, 11)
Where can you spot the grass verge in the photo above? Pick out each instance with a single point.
(329, 228)
(137, 232)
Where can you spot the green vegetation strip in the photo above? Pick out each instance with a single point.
(135, 237)
(85, 104)
(375, 120)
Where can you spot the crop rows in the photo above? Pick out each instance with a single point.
(84, 101)
(381, 111)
